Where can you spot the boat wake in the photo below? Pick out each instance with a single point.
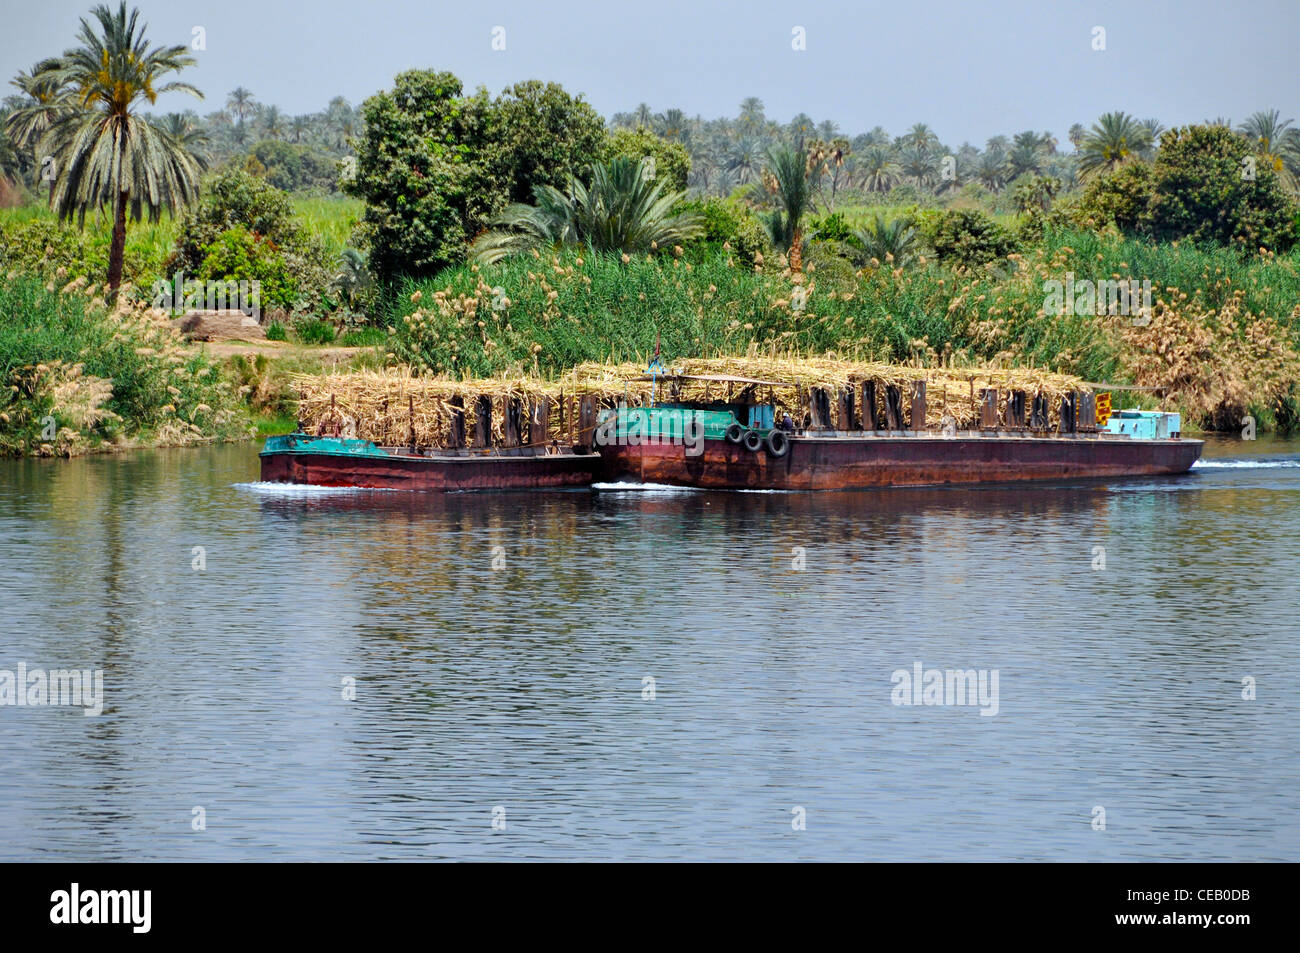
(297, 490)
(1245, 464)
(642, 488)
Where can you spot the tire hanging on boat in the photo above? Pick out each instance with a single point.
(735, 433)
(753, 441)
(778, 444)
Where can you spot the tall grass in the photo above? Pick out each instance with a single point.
(101, 376)
(547, 313)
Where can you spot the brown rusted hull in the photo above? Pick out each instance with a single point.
(402, 472)
(842, 463)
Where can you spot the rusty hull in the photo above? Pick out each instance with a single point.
(853, 462)
(403, 471)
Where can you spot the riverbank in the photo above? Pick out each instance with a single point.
(82, 377)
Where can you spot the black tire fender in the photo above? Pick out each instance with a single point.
(778, 444)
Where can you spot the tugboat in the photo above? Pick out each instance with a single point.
(869, 442)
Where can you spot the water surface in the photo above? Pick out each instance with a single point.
(523, 687)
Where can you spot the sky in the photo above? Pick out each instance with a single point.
(971, 69)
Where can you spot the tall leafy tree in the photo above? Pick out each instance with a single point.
(107, 154)
(542, 135)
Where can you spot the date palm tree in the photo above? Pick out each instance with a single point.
(41, 103)
(919, 165)
(752, 117)
(879, 172)
(186, 132)
(623, 210)
(786, 178)
(746, 161)
(992, 170)
(107, 154)
(241, 103)
(920, 136)
(1116, 138)
(888, 241)
(273, 122)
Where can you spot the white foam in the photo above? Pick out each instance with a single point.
(642, 488)
(306, 489)
(1245, 464)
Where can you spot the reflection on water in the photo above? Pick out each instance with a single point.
(522, 686)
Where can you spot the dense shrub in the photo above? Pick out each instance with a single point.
(1208, 185)
(672, 162)
(1205, 185)
(966, 237)
(733, 224)
(1122, 198)
(247, 225)
(239, 255)
(294, 167)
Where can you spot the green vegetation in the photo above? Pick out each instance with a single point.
(548, 312)
(107, 155)
(483, 234)
(623, 210)
(77, 376)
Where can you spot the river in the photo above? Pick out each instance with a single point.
(308, 674)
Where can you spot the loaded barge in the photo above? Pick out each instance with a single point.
(332, 461)
(832, 426)
(861, 438)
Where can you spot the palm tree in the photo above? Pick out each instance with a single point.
(107, 153)
(800, 128)
(992, 170)
(182, 128)
(241, 104)
(752, 116)
(1275, 141)
(42, 103)
(746, 161)
(272, 122)
(1265, 129)
(674, 126)
(1076, 135)
(879, 170)
(1026, 155)
(340, 120)
(623, 210)
(352, 277)
(786, 177)
(919, 165)
(884, 241)
(838, 150)
(920, 136)
(1116, 138)
(1155, 128)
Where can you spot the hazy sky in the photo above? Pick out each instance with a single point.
(969, 68)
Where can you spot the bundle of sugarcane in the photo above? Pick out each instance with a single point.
(395, 408)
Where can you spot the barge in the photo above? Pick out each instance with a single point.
(340, 462)
(741, 445)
